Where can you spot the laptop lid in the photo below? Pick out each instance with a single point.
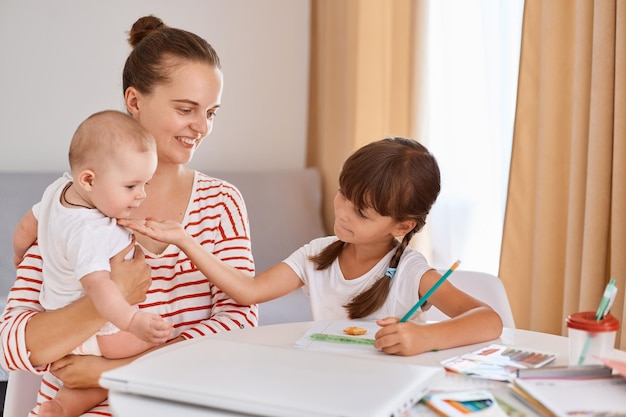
(273, 381)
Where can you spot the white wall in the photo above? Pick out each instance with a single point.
(62, 60)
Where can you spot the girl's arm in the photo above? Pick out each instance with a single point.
(33, 338)
(241, 287)
(471, 321)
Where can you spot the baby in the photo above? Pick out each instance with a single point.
(112, 158)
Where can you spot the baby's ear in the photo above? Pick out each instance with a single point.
(85, 179)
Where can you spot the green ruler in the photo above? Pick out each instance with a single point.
(341, 339)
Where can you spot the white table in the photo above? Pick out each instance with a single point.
(284, 335)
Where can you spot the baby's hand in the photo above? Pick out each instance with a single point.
(167, 231)
(150, 327)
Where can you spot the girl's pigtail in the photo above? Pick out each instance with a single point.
(374, 297)
(326, 257)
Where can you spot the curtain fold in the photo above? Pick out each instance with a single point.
(361, 81)
(617, 262)
(565, 223)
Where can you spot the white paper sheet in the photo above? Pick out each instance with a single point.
(335, 328)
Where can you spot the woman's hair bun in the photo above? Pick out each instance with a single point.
(142, 27)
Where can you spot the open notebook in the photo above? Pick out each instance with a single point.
(273, 381)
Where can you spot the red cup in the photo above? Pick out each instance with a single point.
(590, 338)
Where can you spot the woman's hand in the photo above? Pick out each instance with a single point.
(131, 276)
(83, 371)
(53, 334)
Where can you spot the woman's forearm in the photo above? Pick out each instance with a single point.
(51, 335)
(48, 336)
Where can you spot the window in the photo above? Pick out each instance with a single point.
(473, 58)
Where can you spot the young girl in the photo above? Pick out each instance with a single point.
(367, 270)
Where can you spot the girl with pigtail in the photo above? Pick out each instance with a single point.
(367, 269)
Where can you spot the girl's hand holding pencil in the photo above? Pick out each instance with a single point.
(429, 293)
(401, 338)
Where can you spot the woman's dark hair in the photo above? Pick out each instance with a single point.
(157, 50)
(397, 177)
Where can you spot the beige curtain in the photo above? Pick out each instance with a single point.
(361, 82)
(565, 224)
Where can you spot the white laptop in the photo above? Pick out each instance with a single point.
(272, 381)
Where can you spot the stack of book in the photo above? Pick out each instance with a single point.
(524, 384)
(590, 390)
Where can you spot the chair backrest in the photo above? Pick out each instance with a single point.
(484, 287)
(21, 394)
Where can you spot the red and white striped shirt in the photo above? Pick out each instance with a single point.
(217, 217)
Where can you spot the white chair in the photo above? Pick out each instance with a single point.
(484, 287)
(21, 395)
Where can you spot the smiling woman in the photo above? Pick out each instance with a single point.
(175, 102)
(193, 115)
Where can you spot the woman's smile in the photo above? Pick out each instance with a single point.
(186, 141)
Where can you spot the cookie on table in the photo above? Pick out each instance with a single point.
(354, 331)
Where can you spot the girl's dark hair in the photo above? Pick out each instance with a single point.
(157, 50)
(397, 177)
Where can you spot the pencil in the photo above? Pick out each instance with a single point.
(430, 292)
(603, 309)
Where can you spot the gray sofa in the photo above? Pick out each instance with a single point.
(284, 208)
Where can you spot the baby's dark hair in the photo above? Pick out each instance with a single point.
(397, 177)
(158, 49)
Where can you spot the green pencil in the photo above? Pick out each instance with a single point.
(603, 309)
(429, 293)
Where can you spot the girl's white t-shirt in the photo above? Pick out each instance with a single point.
(328, 290)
